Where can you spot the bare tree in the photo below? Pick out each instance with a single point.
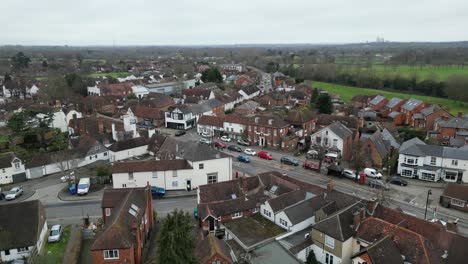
(66, 161)
(321, 152)
(358, 158)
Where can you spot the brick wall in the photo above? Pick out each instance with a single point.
(125, 256)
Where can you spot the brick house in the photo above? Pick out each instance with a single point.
(393, 105)
(377, 102)
(361, 100)
(375, 149)
(303, 120)
(336, 137)
(128, 220)
(112, 89)
(244, 81)
(210, 125)
(455, 196)
(447, 128)
(211, 250)
(396, 118)
(425, 119)
(270, 132)
(274, 99)
(410, 108)
(247, 108)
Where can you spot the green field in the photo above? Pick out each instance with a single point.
(440, 73)
(112, 74)
(347, 92)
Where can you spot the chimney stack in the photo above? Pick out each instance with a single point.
(358, 216)
(100, 126)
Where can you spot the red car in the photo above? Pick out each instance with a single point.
(264, 155)
(219, 144)
(310, 166)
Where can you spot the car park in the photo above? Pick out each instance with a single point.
(219, 144)
(55, 233)
(204, 141)
(373, 173)
(264, 155)
(14, 193)
(234, 148)
(310, 166)
(243, 158)
(378, 184)
(398, 181)
(289, 161)
(350, 174)
(243, 142)
(179, 133)
(225, 139)
(250, 152)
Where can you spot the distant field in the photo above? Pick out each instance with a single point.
(112, 74)
(347, 92)
(424, 72)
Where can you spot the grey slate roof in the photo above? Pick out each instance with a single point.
(249, 105)
(305, 209)
(382, 146)
(411, 142)
(388, 136)
(416, 149)
(411, 104)
(340, 130)
(456, 122)
(205, 106)
(377, 100)
(429, 110)
(393, 102)
(418, 116)
(393, 114)
(191, 151)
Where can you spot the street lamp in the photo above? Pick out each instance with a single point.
(429, 192)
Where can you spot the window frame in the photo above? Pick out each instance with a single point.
(108, 211)
(108, 251)
(329, 241)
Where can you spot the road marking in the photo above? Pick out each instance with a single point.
(408, 213)
(412, 200)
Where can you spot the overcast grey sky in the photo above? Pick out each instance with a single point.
(187, 22)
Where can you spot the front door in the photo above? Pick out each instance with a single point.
(460, 176)
(189, 185)
(261, 141)
(212, 223)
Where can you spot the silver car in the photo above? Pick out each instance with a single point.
(14, 193)
(55, 233)
(378, 184)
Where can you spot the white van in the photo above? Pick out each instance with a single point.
(372, 173)
(83, 186)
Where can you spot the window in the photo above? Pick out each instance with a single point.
(212, 177)
(457, 202)
(174, 173)
(407, 173)
(451, 175)
(111, 254)
(329, 241)
(7, 252)
(326, 133)
(90, 157)
(17, 165)
(427, 176)
(124, 185)
(216, 262)
(201, 166)
(95, 156)
(433, 160)
(266, 212)
(175, 184)
(22, 249)
(236, 215)
(105, 154)
(283, 222)
(108, 211)
(328, 258)
(155, 174)
(455, 162)
(3, 170)
(335, 142)
(325, 141)
(130, 176)
(274, 132)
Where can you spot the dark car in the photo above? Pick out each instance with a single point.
(157, 192)
(234, 148)
(398, 181)
(243, 158)
(243, 142)
(179, 133)
(289, 161)
(335, 170)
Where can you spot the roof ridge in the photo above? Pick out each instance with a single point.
(339, 227)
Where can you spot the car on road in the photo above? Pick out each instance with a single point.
(234, 148)
(289, 161)
(14, 193)
(204, 141)
(350, 174)
(243, 158)
(398, 181)
(378, 184)
(225, 139)
(55, 233)
(83, 186)
(205, 134)
(219, 144)
(310, 166)
(179, 133)
(372, 173)
(264, 155)
(243, 142)
(157, 192)
(335, 170)
(250, 152)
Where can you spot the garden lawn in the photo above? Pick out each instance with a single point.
(348, 92)
(53, 252)
(112, 74)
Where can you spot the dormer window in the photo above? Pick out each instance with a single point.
(17, 165)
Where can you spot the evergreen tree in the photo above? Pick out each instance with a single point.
(20, 61)
(324, 104)
(311, 258)
(315, 94)
(212, 75)
(176, 242)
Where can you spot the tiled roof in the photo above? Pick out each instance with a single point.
(383, 251)
(362, 98)
(249, 105)
(348, 121)
(458, 191)
(411, 104)
(215, 121)
(264, 120)
(340, 130)
(150, 165)
(198, 92)
(128, 144)
(155, 142)
(377, 99)
(455, 122)
(211, 246)
(6, 159)
(300, 116)
(393, 102)
(282, 201)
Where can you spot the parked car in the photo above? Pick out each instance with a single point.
(398, 181)
(225, 139)
(373, 173)
(68, 177)
(204, 141)
(179, 133)
(83, 186)
(350, 174)
(289, 161)
(264, 155)
(311, 154)
(310, 166)
(243, 142)
(205, 134)
(234, 148)
(55, 233)
(378, 184)
(335, 170)
(14, 193)
(2, 195)
(250, 152)
(243, 158)
(157, 192)
(219, 144)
